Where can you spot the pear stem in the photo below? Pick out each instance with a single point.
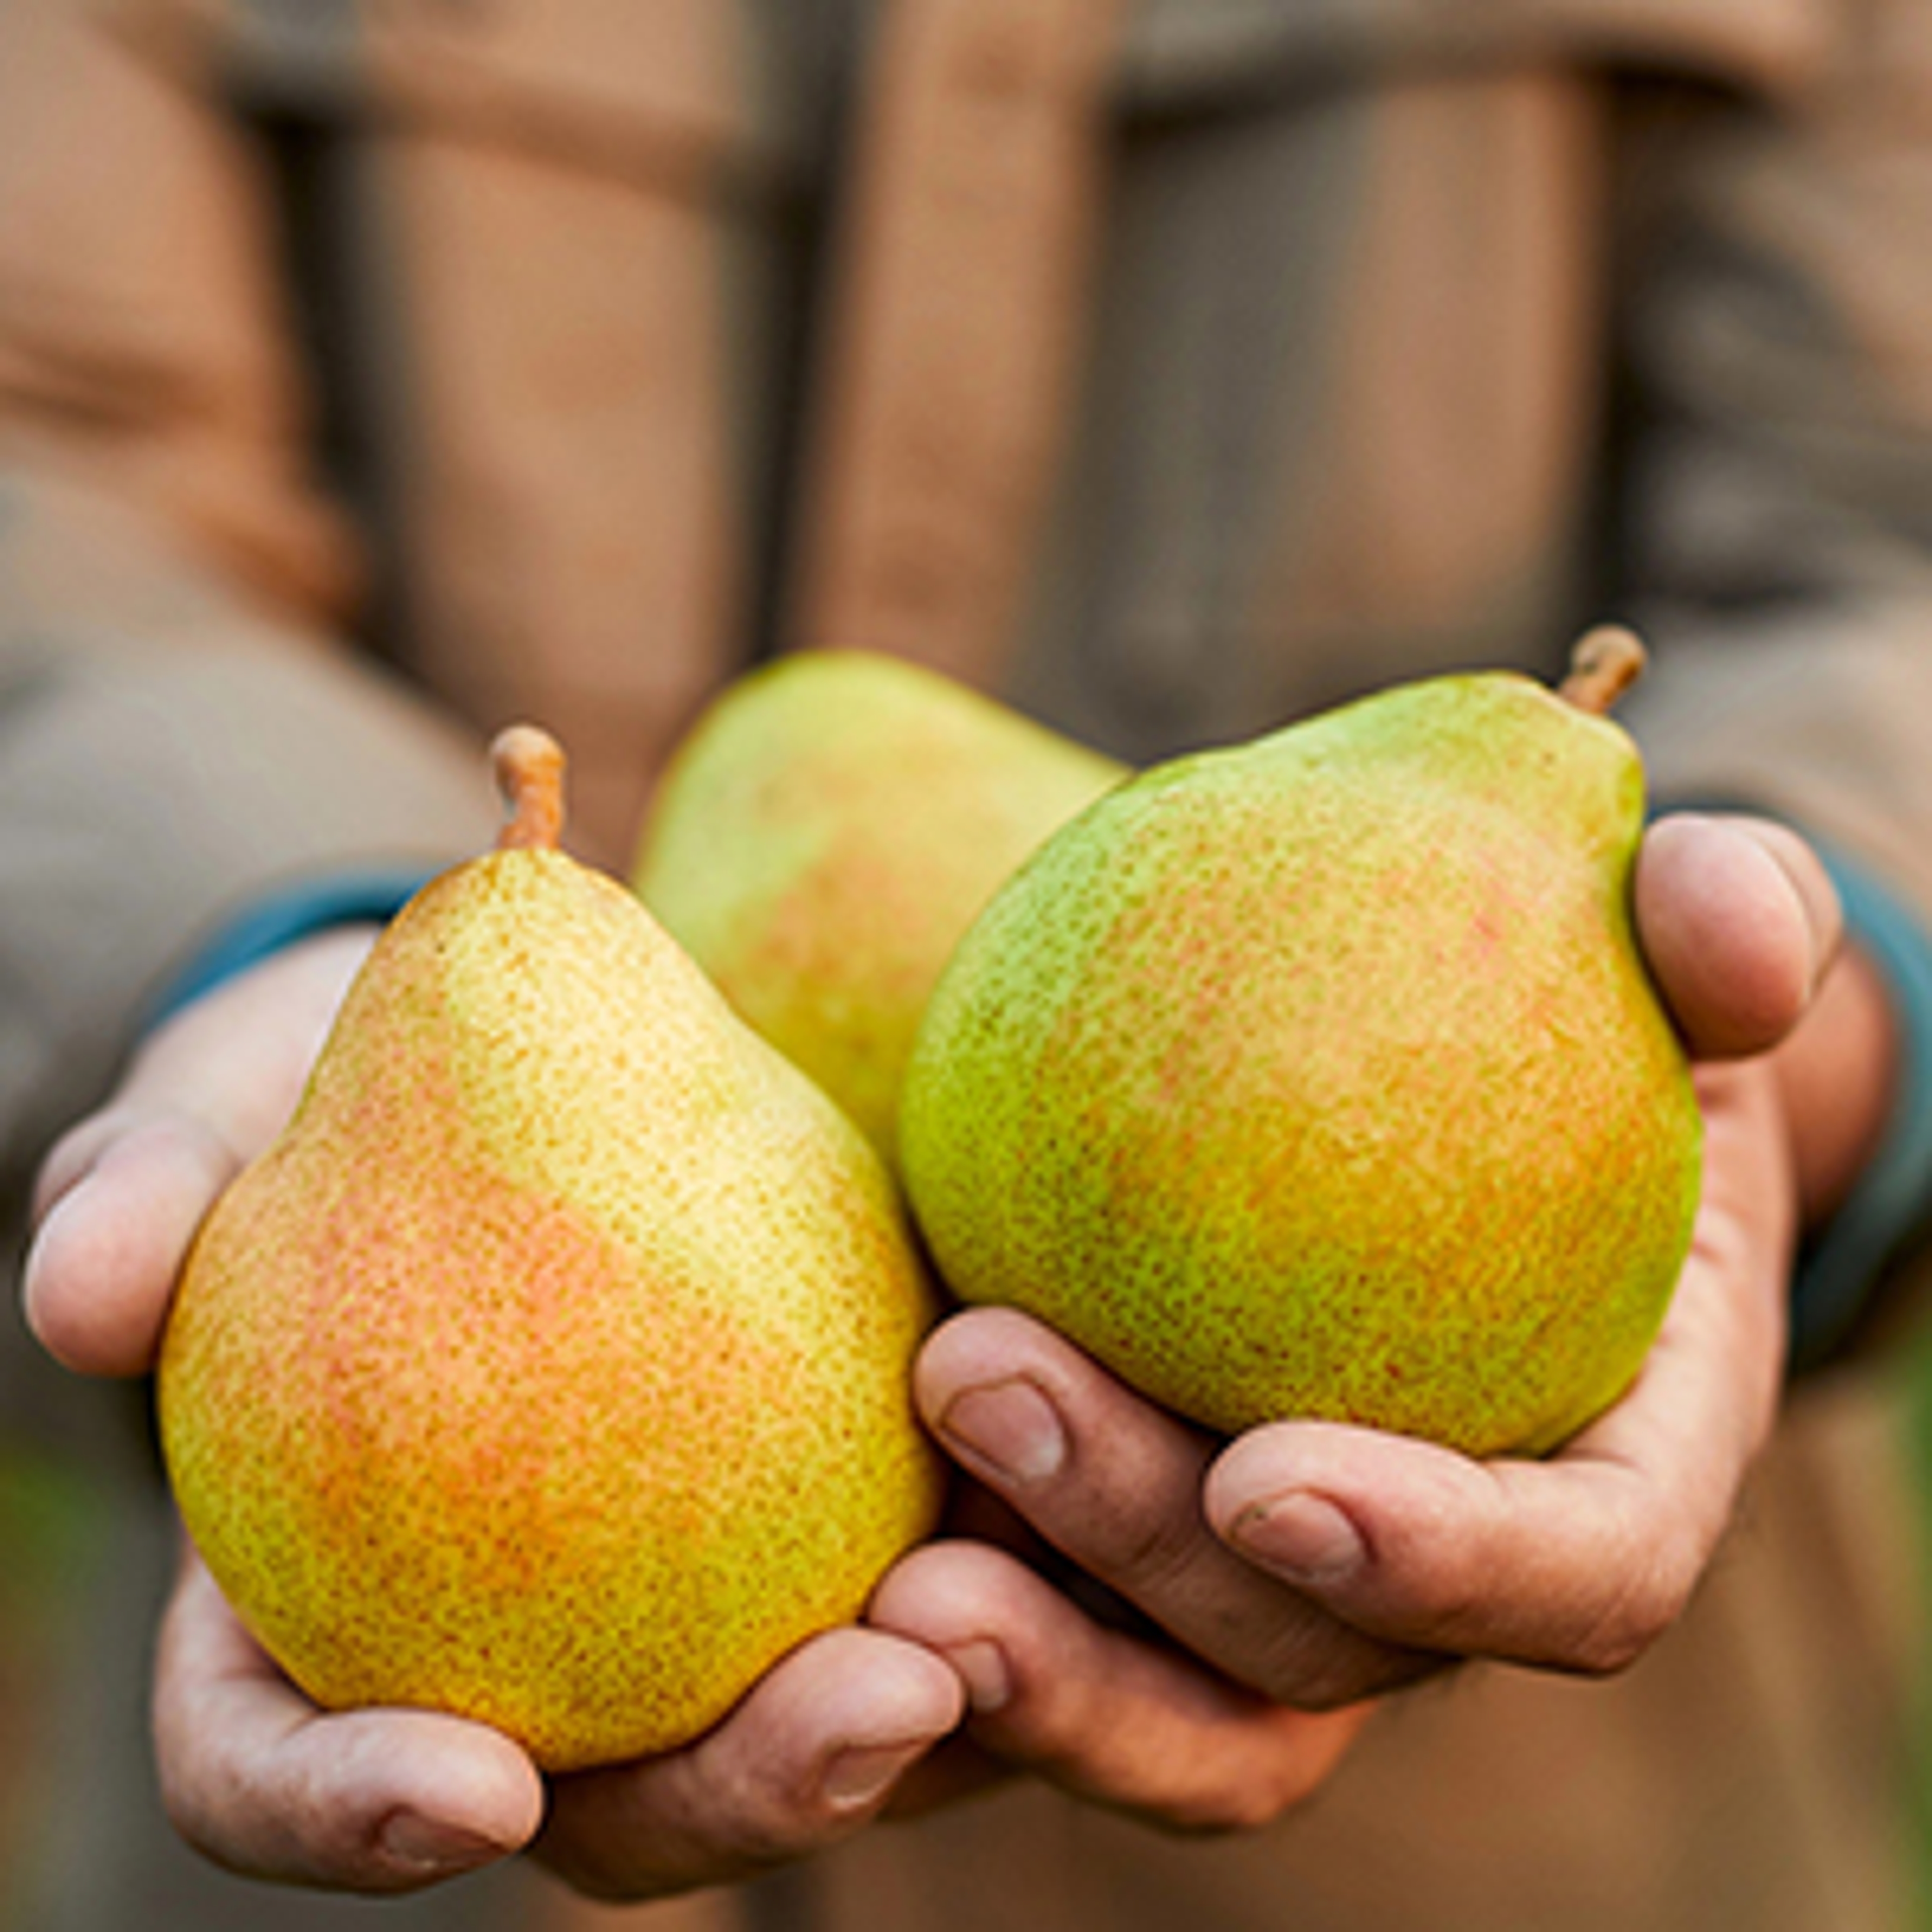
(528, 764)
(1605, 662)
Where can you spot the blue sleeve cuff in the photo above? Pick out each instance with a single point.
(1893, 1200)
(268, 924)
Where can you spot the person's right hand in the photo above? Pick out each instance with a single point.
(252, 1772)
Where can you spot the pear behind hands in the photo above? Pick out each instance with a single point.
(826, 834)
(1320, 1076)
(552, 1368)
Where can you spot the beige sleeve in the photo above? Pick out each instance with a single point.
(1783, 548)
(1783, 536)
(178, 729)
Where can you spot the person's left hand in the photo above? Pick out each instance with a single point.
(1308, 1566)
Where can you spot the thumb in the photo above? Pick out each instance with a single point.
(119, 1198)
(1738, 921)
(122, 1196)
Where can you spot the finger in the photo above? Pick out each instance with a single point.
(1582, 1561)
(124, 1194)
(1114, 1483)
(1737, 920)
(119, 1198)
(812, 1752)
(239, 1056)
(257, 1778)
(1135, 1726)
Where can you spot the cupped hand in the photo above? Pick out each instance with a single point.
(1270, 1585)
(384, 1801)
(387, 1800)
(1308, 1566)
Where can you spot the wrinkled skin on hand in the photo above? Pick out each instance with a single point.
(1189, 1630)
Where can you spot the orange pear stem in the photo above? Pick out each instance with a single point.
(1605, 662)
(528, 763)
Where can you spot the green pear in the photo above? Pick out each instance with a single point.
(552, 1368)
(1320, 1076)
(830, 828)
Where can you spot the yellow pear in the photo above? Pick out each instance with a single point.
(827, 832)
(1320, 1076)
(551, 1369)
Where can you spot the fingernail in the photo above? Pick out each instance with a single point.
(1008, 1427)
(863, 1774)
(426, 1845)
(982, 1665)
(1301, 1536)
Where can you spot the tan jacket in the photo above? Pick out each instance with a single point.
(371, 374)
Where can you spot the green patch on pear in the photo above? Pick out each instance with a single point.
(552, 1368)
(1321, 1077)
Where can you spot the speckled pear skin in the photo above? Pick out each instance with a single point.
(826, 834)
(1321, 1077)
(553, 1368)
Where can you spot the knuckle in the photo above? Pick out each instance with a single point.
(1231, 1805)
(1126, 1503)
(1133, 1517)
(1223, 1814)
(1607, 1649)
(1142, 1548)
(1310, 1664)
(1260, 1800)
(756, 1822)
(1458, 1606)
(1650, 1601)
(1364, 1669)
